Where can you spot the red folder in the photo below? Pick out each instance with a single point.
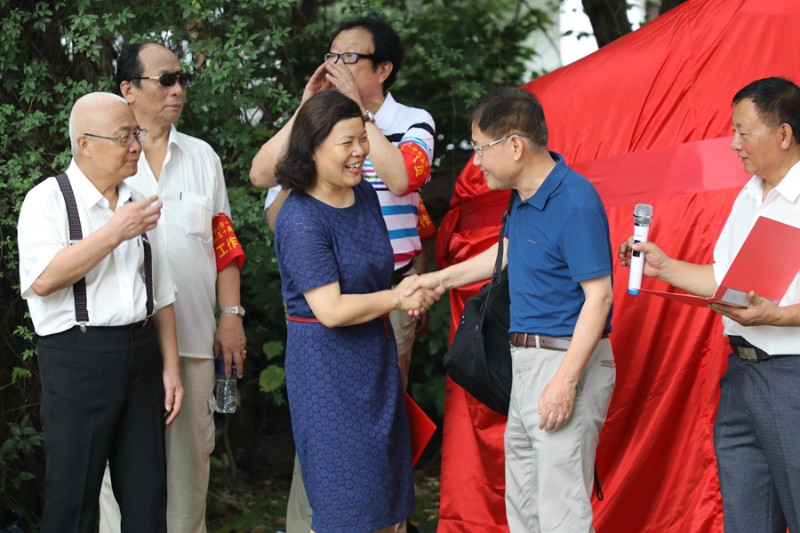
(766, 263)
(422, 428)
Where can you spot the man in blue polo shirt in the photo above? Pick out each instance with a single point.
(559, 266)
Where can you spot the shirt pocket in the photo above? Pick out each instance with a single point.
(196, 214)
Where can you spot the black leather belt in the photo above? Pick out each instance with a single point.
(748, 352)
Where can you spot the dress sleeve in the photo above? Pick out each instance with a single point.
(305, 247)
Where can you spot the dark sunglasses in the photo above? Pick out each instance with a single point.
(168, 80)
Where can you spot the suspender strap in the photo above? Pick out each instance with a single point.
(76, 234)
(148, 273)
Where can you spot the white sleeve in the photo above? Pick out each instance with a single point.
(42, 232)
(272, 193)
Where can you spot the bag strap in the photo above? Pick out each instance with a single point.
(498, 263)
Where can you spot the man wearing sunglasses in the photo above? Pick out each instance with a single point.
(186, 174)
(362, 62)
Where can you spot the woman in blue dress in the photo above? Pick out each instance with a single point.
(346, 400)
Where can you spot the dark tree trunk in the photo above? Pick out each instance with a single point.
(608, 19)
(666, 5)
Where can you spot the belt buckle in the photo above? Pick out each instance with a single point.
(747, 353)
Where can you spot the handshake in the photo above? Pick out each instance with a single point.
(416, 294)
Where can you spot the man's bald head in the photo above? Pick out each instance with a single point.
(98, 124)
(90, 113)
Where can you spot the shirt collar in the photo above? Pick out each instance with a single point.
(550, 184)
(89, 195)
(175, 139)
(387, 109)
(789, 187)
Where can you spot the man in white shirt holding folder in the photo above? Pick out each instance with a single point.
(755, 435)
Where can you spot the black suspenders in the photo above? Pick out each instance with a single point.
(76, 234)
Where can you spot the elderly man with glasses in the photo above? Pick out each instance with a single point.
(362, 62)
(100, 297)
(204, 257)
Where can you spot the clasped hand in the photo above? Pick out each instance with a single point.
(415, 300)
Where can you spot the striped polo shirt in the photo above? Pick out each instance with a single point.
(403, 125)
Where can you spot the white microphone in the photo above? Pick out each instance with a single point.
(642, 216)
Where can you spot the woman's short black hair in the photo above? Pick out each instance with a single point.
(316, 118)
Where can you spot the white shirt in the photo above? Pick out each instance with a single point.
(782, 204)
(115, 289)
(193, 190)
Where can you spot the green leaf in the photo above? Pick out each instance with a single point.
(271, 378)
(273, 349)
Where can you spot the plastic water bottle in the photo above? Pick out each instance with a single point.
(226, 388)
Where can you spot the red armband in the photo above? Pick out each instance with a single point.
(226, 244)
(418, 167)
(425, 226)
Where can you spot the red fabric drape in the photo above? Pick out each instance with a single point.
(647, 120)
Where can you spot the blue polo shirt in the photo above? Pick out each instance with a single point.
(556, 238)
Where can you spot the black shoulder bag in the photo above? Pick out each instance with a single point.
(479, 359)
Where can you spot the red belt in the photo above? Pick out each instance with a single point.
(312, 319)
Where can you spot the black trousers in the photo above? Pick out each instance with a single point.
(103, 400)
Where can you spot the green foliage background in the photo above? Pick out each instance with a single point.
(252, 58)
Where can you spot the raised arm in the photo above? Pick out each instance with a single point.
(262, 169)
(73, 262)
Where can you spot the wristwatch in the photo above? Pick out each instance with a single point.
(232, 310)
(369, 116)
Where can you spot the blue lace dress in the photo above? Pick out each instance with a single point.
(348, 411)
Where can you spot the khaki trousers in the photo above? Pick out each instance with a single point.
(549, 475)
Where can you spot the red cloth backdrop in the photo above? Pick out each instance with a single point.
(647, 120)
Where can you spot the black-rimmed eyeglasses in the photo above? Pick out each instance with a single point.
(124, 140)
(480, 149)
(348, 58)
(168, 80)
